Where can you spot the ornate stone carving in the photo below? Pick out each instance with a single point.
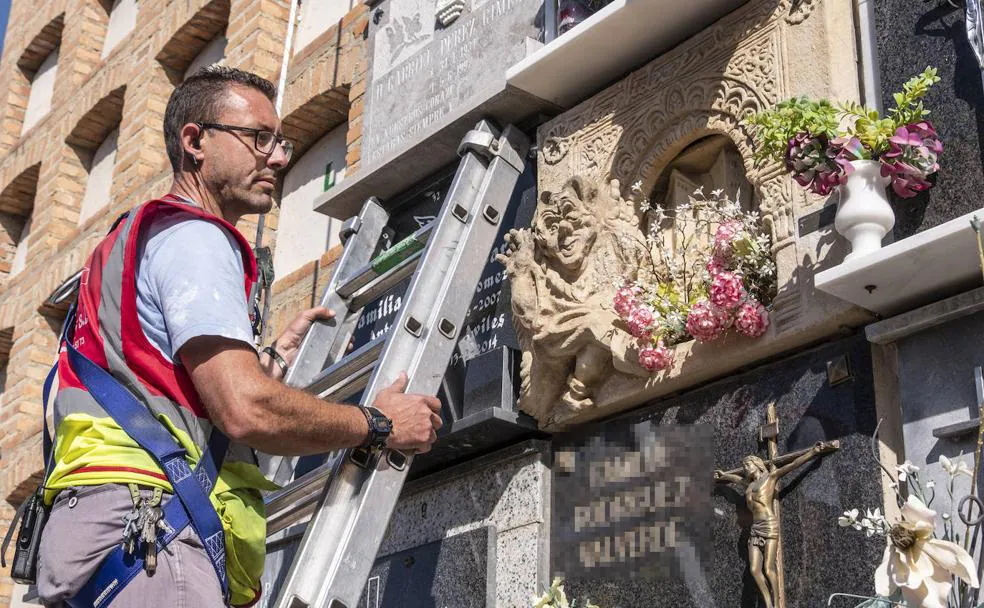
(563, 271)
(800, 10)
(629, 134)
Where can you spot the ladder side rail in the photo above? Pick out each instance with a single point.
(323, 339)
(327, 341)
(329, 566)
(316, 557)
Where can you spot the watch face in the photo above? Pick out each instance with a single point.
(385, 425)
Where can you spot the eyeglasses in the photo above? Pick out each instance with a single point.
(264, 141)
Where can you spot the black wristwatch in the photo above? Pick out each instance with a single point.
(379, 428)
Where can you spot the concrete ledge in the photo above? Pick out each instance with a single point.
(923, 268)
(920, 319)
(436, 148)
(609, 44)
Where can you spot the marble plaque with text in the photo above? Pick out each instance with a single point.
(424, 76)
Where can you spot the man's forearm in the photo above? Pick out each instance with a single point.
(283, 421)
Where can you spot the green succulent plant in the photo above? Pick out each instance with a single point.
(775, 127)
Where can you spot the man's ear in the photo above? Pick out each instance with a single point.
(191, 142)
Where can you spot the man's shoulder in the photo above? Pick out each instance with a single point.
(196, 239)
(189, 229)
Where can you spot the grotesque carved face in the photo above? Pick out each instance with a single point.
(566, 228)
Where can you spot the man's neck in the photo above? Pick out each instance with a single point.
(191, 188)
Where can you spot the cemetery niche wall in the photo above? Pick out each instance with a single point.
(638, 520)
(676, 123)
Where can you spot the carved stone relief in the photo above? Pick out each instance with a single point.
(588, 233)
(562, 270)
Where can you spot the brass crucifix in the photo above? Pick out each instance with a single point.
(761, 481)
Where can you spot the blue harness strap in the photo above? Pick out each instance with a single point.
(191, 488)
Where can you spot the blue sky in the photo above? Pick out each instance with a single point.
(4, 9)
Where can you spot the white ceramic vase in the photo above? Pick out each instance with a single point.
(864, 215)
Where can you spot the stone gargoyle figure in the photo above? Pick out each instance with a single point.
(564, 270)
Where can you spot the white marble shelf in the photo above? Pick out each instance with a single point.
(617, 39)
(915, 271)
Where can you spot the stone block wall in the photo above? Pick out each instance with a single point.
(43, 173)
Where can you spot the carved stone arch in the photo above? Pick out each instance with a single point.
(714, 104)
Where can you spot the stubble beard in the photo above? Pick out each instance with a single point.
(246, 200)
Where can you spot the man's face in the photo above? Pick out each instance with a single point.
(240, 176)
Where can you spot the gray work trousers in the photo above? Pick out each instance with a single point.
(76, 539)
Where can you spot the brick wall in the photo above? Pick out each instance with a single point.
(43, 174)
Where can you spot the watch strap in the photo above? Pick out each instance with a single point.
(375, 438)
(280, 361)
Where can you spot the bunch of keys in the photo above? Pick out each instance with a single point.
(141, 525)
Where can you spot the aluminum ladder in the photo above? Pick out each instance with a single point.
(351, 497)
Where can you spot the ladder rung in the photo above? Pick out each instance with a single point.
(353, 366)
(296, 500)
(391, 259)
(384, 283)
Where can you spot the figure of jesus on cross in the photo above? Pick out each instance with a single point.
(761, 481)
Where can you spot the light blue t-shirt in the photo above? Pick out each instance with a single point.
(189, 284)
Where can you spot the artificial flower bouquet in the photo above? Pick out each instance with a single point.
(712, 271)
(817, 141)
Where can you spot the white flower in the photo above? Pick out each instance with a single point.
(930, 484)
(955, 467)
(918, 565)
(906, 468)
(869, 527)
(848, 518)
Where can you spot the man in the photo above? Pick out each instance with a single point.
(762, 489)
(163, 307)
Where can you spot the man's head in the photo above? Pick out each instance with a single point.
(212, 128)
(754, 467)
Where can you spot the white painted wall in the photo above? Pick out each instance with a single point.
(213, 53)
(100, 182)
(42, 89)
(20, 592)
(316, 17)
(20, 254)
(122, 20)
(303, 234)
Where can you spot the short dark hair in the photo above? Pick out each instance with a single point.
(199, 99)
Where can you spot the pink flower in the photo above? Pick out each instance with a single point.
(641, 321)
(752, 319)
(625, 301)
(716, 265)
(727, 290)
(705, 321)
(656, 358)
(912, 157)
(725, 237)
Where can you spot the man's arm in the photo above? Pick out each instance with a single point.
(722, 477)
(253, 408)
(818, 448)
